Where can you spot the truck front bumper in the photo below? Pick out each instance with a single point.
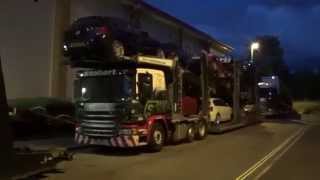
(122, 141)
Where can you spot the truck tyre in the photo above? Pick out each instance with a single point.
(157, 137)
(202, 130)
(190, 133)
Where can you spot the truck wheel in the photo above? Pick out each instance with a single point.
(157, 137)
(190, 133)
(201, 130)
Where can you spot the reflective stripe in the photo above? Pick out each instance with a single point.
(92, 141)
(125, 141)
(129, 141)
(113, 142)
(86, 139)
(76, 135)
(80, 139)
(119, 141)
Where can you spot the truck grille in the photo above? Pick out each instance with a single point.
(99, 125)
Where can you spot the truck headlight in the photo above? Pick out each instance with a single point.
(65, 47)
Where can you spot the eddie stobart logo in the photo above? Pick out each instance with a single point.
(103, 73)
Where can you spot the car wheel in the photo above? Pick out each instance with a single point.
(157, 137)
(218, 120)
(201, 130)
(190, 133)
(118, 49)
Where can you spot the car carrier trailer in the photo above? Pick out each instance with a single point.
(140, 101)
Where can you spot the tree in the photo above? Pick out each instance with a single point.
(269, 61)
(269, 58)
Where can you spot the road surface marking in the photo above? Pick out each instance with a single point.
(275, 159)
(253, 168)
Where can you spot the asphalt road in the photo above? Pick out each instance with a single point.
(302, 160)
(226, 156)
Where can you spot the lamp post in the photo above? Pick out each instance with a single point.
(254, 47)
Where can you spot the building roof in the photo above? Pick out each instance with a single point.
(203, 35)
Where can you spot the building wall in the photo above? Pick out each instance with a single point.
(26, 29)
(159, 30)
(31, 35)
(191, 44)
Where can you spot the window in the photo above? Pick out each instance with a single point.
(219, 102)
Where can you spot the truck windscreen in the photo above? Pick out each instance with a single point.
(106, 88)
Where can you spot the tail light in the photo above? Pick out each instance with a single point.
(102, 30)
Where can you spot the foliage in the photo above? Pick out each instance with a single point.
(269, 58)
(306, 107)
(305, 84)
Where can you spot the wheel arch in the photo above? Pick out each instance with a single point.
(160, 120)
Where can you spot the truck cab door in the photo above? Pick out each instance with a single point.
(145, 86)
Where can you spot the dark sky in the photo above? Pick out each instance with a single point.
(237, 22)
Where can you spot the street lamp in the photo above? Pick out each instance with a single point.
(255, 46)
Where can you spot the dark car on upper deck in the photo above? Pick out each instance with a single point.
(101, 38)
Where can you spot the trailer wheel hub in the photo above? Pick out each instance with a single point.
(202, 130)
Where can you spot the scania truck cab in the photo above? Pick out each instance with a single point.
(136, 101)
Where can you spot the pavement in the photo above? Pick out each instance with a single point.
(45, 144)
(223, 156)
